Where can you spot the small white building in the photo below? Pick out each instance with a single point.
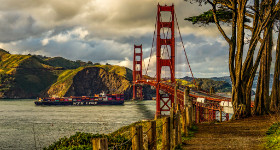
(200, 100)
(226, 104)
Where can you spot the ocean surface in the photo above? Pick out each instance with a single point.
(26, 126)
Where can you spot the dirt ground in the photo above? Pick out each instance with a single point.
(239, 134)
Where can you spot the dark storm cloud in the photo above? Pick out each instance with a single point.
(103, 31)
(15, 26)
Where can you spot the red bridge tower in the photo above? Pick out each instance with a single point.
(137, 72)
(164, 101)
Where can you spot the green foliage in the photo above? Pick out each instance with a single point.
(273, 137)
(191, 133)
(272, 129)
(119, 70)
(64, 81)
(116, 138)
(185, 83)
(3, 52)
(223, 15)
(34, 75)
(206, 84)
(83, 141)
(207, 17)
(9, 63)
(178, 147)
(24, 72)
(64, 63)
(219, 86)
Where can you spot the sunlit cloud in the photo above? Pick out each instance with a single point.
(105, 31)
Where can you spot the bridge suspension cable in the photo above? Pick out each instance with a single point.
(165, 37)
(152, 47)
(184, 48)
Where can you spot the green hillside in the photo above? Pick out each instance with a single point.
(62, 62)
(122, 71)
(9, 62)
(63, 82)
(30, 76)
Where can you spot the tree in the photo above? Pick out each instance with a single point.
(275, 95)
(89, 63)
(262, 100)
(242, 70)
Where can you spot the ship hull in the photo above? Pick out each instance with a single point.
(79, 103)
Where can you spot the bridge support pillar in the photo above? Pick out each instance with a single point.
(137, 72)
(168, 43)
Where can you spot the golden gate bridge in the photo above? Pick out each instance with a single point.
(206, 106)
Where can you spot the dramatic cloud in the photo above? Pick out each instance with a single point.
(105, 31)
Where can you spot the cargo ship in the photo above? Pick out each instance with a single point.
(97, 99)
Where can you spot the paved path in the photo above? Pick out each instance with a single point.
(240, 134)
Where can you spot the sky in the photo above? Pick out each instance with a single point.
(105, 31)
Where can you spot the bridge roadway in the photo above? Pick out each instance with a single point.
(211, 101)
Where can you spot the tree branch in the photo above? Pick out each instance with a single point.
(248, 27)
(217, 22)
(249, 15)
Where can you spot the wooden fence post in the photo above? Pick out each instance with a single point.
(183, 119)
(185, 128)
(166, 134)
(175, 95)
(152, 136)
(197, 114)
(172, 126)
(193, 113)
(100, 144)
(178, 129)
(188, 117)
(175, 132)
(186, 96)
(137, 140)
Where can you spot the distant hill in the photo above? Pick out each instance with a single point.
(31, 76)
(223, 84)
(227, 79)
(62, 62)
(219, 84)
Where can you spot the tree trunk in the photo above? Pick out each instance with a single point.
(262, 100)
(242, 73)
(275, 95)
(238, 91)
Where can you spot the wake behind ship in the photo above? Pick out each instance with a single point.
(97, 99)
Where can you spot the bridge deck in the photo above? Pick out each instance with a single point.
(169, 88)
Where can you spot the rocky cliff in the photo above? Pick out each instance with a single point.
(89, 81)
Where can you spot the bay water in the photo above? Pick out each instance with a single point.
(26, 126)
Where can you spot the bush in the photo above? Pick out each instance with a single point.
(83, 141)
(273, 137)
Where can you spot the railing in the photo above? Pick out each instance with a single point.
(204, 111)
(169, 137)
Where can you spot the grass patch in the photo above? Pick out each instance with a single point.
(116, 138)
(273, 137)
(185, 83)
(64, 81)
(83, 141)
(119, 70)
(9, 63)
(190, 135)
